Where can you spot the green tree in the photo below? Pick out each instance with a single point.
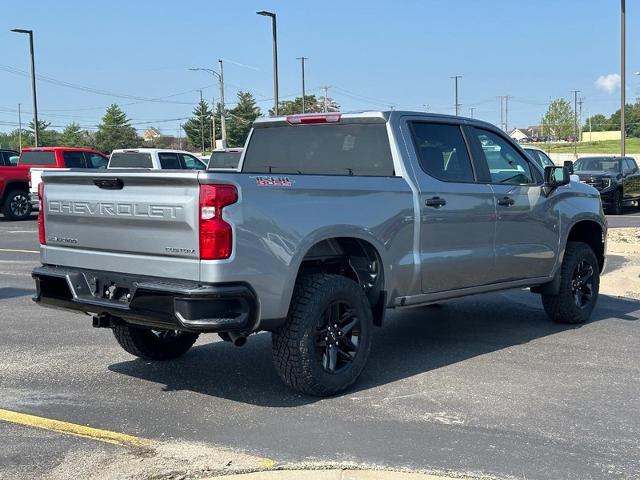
(311, 105)
(198, 127)
(46, 137)
(558, 122)
(74, 136)
(115, 131)
(631, 120)
(12, 139)
(240, 119)
(596, 123)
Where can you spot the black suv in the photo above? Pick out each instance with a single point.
(616, 178)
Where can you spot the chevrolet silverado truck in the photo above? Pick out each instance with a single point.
(40, 159)
(14, 187)
(330, 221)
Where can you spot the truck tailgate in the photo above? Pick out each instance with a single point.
(131, 222)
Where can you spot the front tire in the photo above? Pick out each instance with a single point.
(16, 205)
(325, 343)
(617, 203)
(153, 344)
(579, 286)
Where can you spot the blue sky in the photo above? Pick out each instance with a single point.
(373, 53)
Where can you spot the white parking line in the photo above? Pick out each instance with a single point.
(23, 231)
(18, 251)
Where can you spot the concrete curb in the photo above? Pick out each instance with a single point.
(335, 475)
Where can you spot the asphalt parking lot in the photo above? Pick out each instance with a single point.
(485, 385)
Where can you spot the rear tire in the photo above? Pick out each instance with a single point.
(325, 343)
(153, 344)
(16, 205)
(579, 286)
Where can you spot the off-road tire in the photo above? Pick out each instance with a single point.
(617, 203)
(562, 308)
(294, 348)
(144, 343)
(9, 205)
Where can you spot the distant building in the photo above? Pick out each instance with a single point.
(151, 134)
(531, 133)
(599, 136)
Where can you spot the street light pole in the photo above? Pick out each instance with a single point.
(33, 81)
(201, 125)
(575, 122)
(455, 78)
(274, 32)
(302, 59)
(19, 128)
(223, 124)
(623, 74)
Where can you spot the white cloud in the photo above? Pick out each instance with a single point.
(608, 83)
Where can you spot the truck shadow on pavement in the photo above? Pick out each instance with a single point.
(12, 292)
(412, 342)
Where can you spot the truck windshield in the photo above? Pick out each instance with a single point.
(324, 149)
(37, 158)
(597, 164)
(225, 159)
(130, 160)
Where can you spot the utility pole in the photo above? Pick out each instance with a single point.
(274, 32)
(504, 112)
(302, 59)
(213, 123)
(471, 109)
(180, 136)
(455, 79)
(33, 82)
(19, 128)
(575, 122)
(201, 124)
(623, 75)
(326, 94)
(223, 125)
(580, 102)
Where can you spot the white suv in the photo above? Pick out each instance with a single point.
(155, 158)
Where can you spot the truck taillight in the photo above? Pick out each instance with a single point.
(216, 236)
(41, 234)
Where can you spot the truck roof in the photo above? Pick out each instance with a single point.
(371, 115)
(150, 150)
(53, 149)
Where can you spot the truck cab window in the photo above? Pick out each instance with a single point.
(506, 164)
(442, 152)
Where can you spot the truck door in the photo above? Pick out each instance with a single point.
(457, 224)
(527, 229)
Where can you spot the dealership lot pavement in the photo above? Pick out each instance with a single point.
(485, 385)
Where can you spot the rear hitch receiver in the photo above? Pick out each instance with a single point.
(103, 321)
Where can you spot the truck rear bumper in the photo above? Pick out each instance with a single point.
(149, 301)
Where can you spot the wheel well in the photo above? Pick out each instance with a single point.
(590, 233)
(10, 187)
(353, 258)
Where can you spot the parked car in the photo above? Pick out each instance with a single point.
(616, 178)
(14, 187)
(227, 158)
(41, 159)
(155, 158)
(333, 220)
(8, 158)
(539, 156)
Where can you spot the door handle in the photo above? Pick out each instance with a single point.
(506, 202)
(435, 202)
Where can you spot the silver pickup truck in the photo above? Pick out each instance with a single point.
(330, 221)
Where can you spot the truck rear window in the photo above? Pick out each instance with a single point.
(130, 160)
(37, 158)
(325, 149)
(225, 159)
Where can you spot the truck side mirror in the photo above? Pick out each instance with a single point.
(555, 177)
(568, 164)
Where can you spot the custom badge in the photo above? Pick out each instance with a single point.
(273, 181)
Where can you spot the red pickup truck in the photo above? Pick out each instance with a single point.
(15, 181)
